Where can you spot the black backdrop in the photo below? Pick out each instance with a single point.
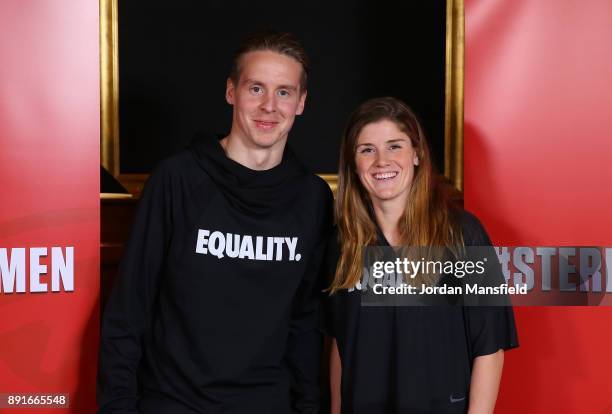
(175, 56)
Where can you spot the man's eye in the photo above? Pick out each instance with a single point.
(284, 93)
(257, 90)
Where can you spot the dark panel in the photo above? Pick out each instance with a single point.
(116, 218)
(175, 57)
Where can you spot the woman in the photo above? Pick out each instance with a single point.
(404, 359)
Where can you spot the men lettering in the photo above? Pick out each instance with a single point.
(13, 269)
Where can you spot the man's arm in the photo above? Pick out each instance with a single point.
(305, 343)
(305, 340)
(128, 313)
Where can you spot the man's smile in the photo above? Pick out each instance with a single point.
(264, 124)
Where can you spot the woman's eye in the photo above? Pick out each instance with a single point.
(366, 150)
(395, 146)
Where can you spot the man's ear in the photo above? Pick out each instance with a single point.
(301, 104)
(229, 91)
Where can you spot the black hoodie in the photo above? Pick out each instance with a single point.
(215, 309)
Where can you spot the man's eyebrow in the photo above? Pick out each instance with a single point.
(290, 87)
(256, 82)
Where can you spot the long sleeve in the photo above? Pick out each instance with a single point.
(128, 313)
(305, 340)
(327, 312)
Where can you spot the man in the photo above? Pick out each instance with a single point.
(215, 310)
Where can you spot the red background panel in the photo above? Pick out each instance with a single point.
(49, 186)
(537, 172)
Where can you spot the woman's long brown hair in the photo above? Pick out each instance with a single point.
(427, 218)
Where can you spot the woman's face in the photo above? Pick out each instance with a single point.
(385, 161)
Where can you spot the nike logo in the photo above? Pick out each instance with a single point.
(454, 400)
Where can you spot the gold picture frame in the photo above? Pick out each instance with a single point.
(453, 101)
(109, 98)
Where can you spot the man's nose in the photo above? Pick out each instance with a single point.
(268, 102)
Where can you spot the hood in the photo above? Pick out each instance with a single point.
(251, 191)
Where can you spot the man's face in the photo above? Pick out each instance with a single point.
(266, 99)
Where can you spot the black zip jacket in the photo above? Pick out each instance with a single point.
(215, 308)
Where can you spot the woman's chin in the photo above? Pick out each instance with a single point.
(383, 196)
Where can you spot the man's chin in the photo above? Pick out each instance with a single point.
(268, 141)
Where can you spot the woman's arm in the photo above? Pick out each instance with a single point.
(335, 373)
(486, 375)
